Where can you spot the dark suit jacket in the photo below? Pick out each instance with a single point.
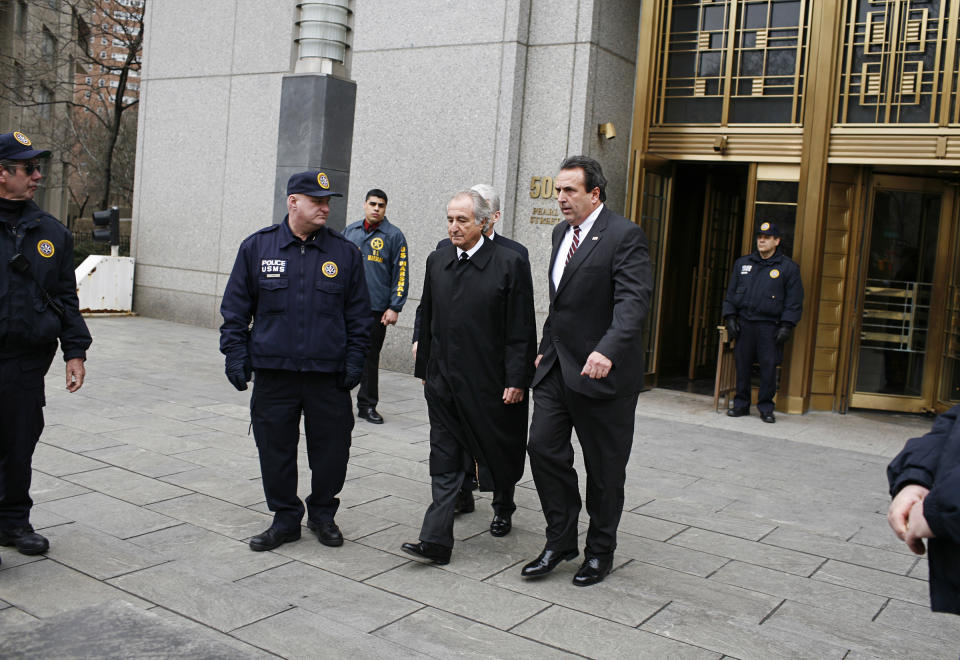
(501, 241)
(600, 305)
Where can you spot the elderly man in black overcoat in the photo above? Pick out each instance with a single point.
(476, 354)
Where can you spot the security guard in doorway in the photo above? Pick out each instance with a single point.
(38, 307)
(303, 286)
(763, 304)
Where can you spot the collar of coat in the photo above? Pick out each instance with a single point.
(480, 258)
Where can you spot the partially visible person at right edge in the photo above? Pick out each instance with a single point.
(925, 486)
(38, 307)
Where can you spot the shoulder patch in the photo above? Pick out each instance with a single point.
(45, 248)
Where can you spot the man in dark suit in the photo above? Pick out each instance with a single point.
(589, 370)
(503, 503)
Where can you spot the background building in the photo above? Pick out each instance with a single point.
(839, 121)
(449, 94)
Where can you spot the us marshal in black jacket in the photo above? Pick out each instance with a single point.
(932, 462)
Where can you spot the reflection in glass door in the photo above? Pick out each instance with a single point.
(900, 336)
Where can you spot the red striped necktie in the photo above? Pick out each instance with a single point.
(574, 245)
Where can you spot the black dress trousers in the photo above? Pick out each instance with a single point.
(21, 412)
(279, 398)
(605, 431)
(756, 344)
(368, 396)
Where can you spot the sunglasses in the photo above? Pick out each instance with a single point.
(29, 167)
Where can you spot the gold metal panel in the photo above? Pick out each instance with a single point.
(823, 381)
(822, 401)
(882, 148)
(839, 205)
(768, 172)
(828, 335)
(831, 312)
(831, 288)
(876, 30)
(825, 359)
(835, 265)
(703, 42)
(740, 147)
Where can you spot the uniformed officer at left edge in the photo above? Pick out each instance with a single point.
(302, 284)
(38, 307)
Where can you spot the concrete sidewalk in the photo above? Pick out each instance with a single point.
(740, 539)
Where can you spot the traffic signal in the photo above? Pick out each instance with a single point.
(106, 225)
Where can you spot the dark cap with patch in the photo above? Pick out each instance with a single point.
(17, 146)
(313, 183)
(768, 229)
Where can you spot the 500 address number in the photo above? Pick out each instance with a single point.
(542, 187)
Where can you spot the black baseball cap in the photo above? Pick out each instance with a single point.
(768, 229)
(17, 146)
(314, 183)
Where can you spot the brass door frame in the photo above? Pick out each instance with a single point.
(933, 356)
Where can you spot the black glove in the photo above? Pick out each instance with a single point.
(350, 377)
(783, 334)
(733, 327)
(239, 373)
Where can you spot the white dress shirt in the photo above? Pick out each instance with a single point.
(472, 251)
(561, 260)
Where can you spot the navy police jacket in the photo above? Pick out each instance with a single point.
(385, 261)
(307, 300)
(933, 461)
(28, 326)
(765, 289)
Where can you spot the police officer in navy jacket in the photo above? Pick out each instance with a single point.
(302, 284)
(38, 308)
(763, 304)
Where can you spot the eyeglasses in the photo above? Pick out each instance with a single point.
(28, 167)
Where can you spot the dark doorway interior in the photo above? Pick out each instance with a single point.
(704, 239)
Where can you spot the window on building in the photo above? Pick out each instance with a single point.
(21, 20)
(48, 46)
(88, 80)
(53, 4)
(727, 62)
(45, 101)
(103, 54)
(104, 41)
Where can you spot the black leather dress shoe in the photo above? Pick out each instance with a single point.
(371, 415)
(465, 503)
(327, 532)
(592, 570)
(273, 538)
(26, 541)
(500, 525)
(547, 561)
(428, 553)
(769, 418)
(738, 412)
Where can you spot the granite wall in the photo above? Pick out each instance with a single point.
(449, 94)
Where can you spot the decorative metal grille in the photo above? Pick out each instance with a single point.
(733, 62)
(893, 61)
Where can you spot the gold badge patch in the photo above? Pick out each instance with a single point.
(45, 248)
(330, 269)
(774, 274)
(765, 226)
(377, 243)
(323, 180)
(22, 139)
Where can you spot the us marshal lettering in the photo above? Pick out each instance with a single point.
(273, 265)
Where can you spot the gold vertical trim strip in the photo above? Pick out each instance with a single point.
(891, 53)
(729, 50)
(949, 64)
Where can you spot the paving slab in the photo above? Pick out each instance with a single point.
(58, 462)
(46, 588)
(873, 581)
(97, 554)
(479, 601)
(835, 548)
(352, 560)
(203, 598)
(299, 633)
(126, 485)
(108, 514)
(113, 630)
(440, 634)
(781, 559)
(216, 515)
(337, 598)
(139, 460)
(593, 637)
(219, 485)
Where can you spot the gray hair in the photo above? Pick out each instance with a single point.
(489, 193)
(481, 208)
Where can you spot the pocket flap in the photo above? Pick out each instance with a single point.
(274, 284)
(329, 286)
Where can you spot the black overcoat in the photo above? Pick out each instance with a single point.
(478, 338)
